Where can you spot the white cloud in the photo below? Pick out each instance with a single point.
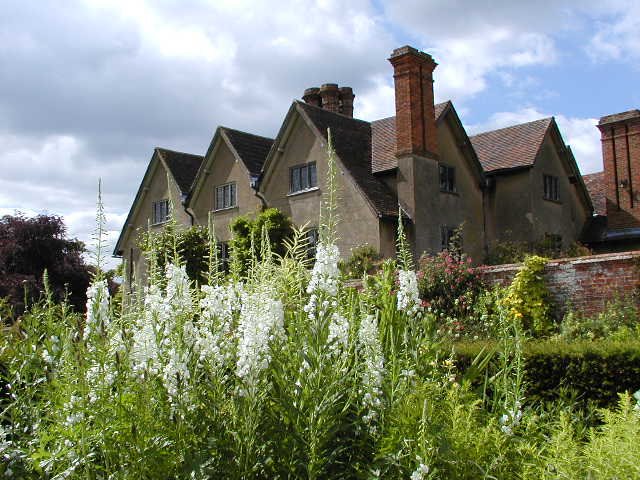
(617, 38)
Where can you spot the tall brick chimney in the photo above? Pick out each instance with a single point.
(332, 98)
(417, 176)
(415, 114)
(620, 135)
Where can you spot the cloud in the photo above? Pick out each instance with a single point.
(617, 38)
(579, 133)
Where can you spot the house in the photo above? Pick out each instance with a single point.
(520, 182)
(616, 190)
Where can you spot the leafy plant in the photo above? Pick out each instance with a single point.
(363, 260)
(527, 298)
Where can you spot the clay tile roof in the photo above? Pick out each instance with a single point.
(618, 117)
(183, 167)
(595, 186)
(252, 149)
(352, 143)
(383, 141)
(510, 147)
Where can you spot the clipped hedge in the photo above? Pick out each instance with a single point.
(593, 371)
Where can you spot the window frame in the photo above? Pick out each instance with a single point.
(312, 236)
(297, 183)
(550, 187)
(229, 196)
(447, 178)
(156, 211)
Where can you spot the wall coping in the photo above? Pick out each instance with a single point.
(603, 257)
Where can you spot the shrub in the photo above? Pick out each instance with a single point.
(248, 232)
(527, 298)
(595, 371)
(449, 284)
(619, 319)
(363, 260)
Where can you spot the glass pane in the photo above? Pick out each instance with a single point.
(313, 177)
(304, 178)
(227, 196)
(219, 197)
(233, 195)
(295, 179)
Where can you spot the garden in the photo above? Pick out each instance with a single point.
(281, 369)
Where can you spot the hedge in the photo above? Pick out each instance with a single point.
(592, 370)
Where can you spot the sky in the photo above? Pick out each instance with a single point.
(88, 88)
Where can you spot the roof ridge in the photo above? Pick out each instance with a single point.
(245, 133)
(177, 151)
(341, 115)
(547, 119)
(394, 116)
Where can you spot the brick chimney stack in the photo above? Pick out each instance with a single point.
(332, 98)
(330, 95)
(346, 101)
(312, 97)
(415, 114)
(620, 136)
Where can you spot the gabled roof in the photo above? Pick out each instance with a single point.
(352, 143)
(183, 167)
(252, 149)
(510, 147)
(383, 140)
(595, 186)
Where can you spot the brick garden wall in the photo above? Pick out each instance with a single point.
(585, 284)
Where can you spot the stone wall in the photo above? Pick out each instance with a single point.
(584, 284)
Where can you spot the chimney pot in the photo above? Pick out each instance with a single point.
(312, 96)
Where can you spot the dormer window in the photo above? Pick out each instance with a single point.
(303, 177)
(226, 196)
(160, 211)
(551, 188)
(447, 179)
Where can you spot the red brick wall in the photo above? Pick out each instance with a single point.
(584, 283)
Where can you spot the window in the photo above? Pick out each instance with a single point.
(451, 239)
(226, 196)
(223, 255)
(446, 235)
(447, 179)
(160, 212)
(312, 242)
(551, 188)
(303, 177)
(553, 242)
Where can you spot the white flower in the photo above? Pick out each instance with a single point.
(325, 273)
(175, 376)
(373, 369)
(338, 338)
(261, 322)
(408, 294)
(97, 308)
(178, 296)
(420, 472)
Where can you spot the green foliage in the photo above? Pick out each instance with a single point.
(527, 298)
(516, 251)
(449, 284)
(619, 320)
(595, 371)
(247, 233)
(190, 244)
(363, 260)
